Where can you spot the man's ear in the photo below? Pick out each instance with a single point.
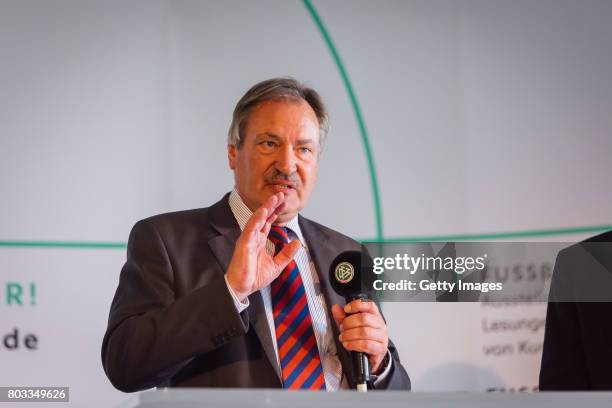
(231, 156)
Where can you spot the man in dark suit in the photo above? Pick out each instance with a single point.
(577, 353)
(237, 294)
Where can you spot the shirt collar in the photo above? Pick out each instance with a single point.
(242, 213)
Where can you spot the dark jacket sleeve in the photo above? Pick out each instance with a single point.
(151, 333)
(398, 378)
(563, 361)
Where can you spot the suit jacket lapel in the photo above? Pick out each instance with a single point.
(222, 246)
(322, 256)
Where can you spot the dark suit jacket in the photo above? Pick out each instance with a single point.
(577, 352)
(173, 322)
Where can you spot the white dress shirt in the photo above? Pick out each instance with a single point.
(321, 323)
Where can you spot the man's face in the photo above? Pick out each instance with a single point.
(279, 152)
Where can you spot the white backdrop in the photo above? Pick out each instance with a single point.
(483, 116)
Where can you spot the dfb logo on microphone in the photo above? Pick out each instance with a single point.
(344, 272)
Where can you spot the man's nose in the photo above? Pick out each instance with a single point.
(286, 162)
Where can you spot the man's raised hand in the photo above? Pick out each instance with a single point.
(251, 267)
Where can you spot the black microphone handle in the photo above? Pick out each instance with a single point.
(361, 364)
(362, 367)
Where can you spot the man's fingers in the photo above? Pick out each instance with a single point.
(364, 333)
(263, 214)
(362, 306)
(268, 225)
(286, 254)
(338, 315)
(271, 219)
(364, 320)
(256, 222)
(266, 228)
(274, 202)
(280, 207)
(365, 346)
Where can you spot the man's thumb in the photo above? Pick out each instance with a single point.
(338, 314)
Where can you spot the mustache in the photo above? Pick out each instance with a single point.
(277, 176)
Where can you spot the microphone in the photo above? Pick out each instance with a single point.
(345, 276)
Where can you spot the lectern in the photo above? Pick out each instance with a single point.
(241, 398)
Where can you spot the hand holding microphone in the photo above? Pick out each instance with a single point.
(363, 331)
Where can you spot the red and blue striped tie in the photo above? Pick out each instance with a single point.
(297, 347)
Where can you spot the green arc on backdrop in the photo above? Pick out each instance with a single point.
(373, 183)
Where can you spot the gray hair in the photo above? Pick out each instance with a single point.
(274, 89)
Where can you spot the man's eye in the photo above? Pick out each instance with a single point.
(268, 144)
(305, 150)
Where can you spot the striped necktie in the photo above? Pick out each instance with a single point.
(297, 347)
